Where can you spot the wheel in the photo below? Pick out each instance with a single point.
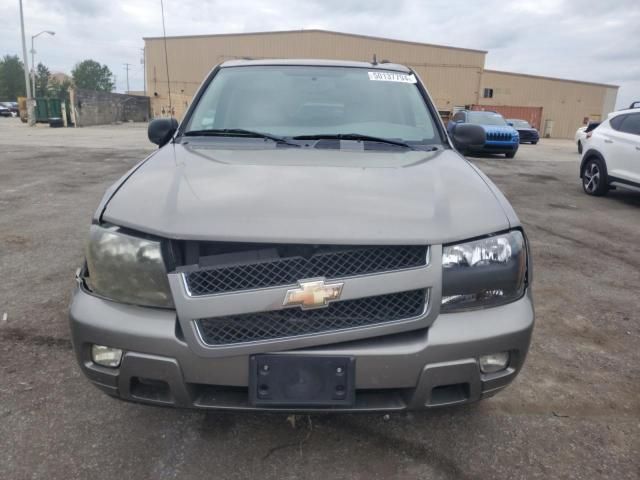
(511, 154)
(580, 147)
(594, 177)
(533, 143)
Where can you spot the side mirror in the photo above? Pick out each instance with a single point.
(510, 124)
(161, 130)
(468, 135)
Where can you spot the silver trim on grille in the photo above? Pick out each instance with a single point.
(427, 304)
(191, 308)
(189, 293)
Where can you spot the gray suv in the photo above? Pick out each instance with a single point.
(306, 239)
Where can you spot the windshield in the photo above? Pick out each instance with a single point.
(520, 123)
(486, 118)
(291, 101)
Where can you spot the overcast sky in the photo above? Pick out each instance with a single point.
(591, 40)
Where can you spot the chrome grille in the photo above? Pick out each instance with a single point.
(292, 322)
(280, 271)
(499, 136)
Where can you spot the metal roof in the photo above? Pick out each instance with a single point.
(515, 74)
(317, 30)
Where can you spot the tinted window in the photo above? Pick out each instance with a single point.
(520, 123)
(631, 124)
(591, 126)
(306, 100)
(615, 122)
(485, 118)
(458, 117)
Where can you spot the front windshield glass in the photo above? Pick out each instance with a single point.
(290, 101)
(520, 123)
(486, 118)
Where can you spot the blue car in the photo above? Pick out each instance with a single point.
(500, 136)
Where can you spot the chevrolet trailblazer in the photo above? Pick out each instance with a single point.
(308, 238)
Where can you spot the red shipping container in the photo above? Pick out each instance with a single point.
(533, 115)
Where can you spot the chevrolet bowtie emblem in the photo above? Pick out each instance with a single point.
(313, 294)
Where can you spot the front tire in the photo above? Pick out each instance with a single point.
(533, 143)
(594, 177)
(579, 147)
(511, 154)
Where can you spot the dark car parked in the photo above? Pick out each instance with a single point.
(528, 134)
(9, 109)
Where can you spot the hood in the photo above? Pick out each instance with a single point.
(288, 195)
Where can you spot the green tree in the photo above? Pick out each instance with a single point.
(42, 80)
(91, 75)
(12, 83)
(57, 89)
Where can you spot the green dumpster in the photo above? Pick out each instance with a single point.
(47, 108)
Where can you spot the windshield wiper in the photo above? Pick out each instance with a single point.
(354, 136)
(237, 132)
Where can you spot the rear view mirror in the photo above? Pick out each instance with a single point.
(161, 130)
(468, 135)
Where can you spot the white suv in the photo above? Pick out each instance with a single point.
(612, 154)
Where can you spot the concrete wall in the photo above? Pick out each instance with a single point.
(100, 108)
(566, 103)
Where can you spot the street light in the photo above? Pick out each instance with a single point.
(33, 53)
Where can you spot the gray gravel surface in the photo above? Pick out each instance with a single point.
(574, 412)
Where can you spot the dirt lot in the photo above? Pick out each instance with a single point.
(574, 412)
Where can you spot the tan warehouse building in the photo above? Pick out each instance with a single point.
(455, 77)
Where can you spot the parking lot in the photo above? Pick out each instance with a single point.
(574, 411)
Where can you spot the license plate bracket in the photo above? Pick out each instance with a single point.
(301, 381)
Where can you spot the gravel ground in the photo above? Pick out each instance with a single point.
(574, 412)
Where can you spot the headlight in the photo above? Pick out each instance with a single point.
(126, 269)
(484, 273)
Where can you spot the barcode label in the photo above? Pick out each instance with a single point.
(392, 77)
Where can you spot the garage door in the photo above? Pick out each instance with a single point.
(533, 115)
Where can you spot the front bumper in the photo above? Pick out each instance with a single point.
(498, 147)
(529, 137)
(418, 369)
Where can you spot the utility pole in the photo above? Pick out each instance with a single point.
(126, 66)
(143, 61)
(33, 68)
(25, 59)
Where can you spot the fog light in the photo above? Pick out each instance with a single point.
(106, 356)
(494, 362)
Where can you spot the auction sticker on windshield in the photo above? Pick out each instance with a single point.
(392, 77)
